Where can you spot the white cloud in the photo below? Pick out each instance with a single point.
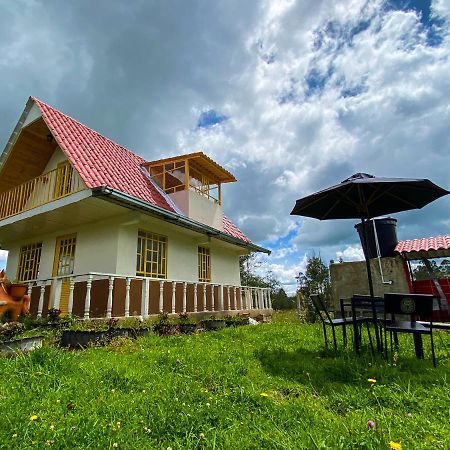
(314, 91)
(351, 253)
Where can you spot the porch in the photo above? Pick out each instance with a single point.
(96, 295)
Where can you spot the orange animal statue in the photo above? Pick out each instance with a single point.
(11, 307)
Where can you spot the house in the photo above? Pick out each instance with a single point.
(95, 230)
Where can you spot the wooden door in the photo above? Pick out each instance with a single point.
(63, 265)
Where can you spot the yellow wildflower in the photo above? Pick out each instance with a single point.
(264, 394)
(372, 380)
(395, 445)
(33, 418)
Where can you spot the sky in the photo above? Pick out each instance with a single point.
(290, 96)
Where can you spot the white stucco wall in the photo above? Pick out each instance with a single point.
(110, 247)
(200, 208)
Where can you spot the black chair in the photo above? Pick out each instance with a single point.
(325, 318)
(371, 311)
(412, 305)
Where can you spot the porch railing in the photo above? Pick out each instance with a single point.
(53, 185)
(109, 295)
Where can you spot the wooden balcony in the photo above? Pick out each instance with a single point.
(96, 295)
(50, 186)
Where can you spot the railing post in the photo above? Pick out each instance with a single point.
(195, 297)
(184, 296)
(270, 300)
(127, 296)
(144, 297)
(220, 297)
(228, 298)
(87, 302)
(71, 289)
(235, 298)
(110, 298)
(174, 287)
(161, 295)
(30, 289)
(260, 299)
(204, 297)
(212, 298)
(41, 300)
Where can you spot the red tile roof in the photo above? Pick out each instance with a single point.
(102, 162)
(424, 244)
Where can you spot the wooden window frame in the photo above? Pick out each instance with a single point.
(151, 255)
(29, 261)
(68, 245)
(204, 264)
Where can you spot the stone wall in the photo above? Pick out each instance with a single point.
(350, 278)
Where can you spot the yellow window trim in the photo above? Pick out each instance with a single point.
(204, 264)
(151, 254)
(29, 261)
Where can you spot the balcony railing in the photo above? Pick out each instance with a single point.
(45, 188)
(95, 295)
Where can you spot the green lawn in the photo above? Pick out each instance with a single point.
(256, 387)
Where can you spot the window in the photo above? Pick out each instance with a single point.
(204, 264)
(64, 256)
(151, 255)
(63, 181)
(29, 260)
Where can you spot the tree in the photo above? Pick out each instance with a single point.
(280, 300)
(315, 280)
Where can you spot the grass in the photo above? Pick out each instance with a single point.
(269, 386)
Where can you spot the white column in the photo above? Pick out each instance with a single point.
(161, 295)
(220, 297)
(41, 300)
(212, 298)
(228, 298)
(235, 298)
(184, 296)
(71, 289)
(145, 297)
(260, 298)
(174, 287)
(127, 297)
(110, 298)
(29, 290)
(195, 297)
(270, 300)
(87, 302)
(204, 297)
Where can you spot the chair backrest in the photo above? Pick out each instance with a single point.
(373, 305)
(409, 304)
(320, 307)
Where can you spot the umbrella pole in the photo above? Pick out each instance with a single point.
(369, 271)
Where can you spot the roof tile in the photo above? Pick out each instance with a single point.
(102, 162)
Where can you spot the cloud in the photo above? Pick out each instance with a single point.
(351, 253)
(313, 91)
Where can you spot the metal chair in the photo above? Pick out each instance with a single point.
(412, 305)
(372, 308)
(325, 318)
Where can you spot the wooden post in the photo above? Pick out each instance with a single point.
(110, 298)
(127, 296)
(174, 287)
(71, 289)
(87, 302)
(41, 300)
(161, 296)
(184, 296)
(195, 297)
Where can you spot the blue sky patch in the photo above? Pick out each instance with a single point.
(210, 118)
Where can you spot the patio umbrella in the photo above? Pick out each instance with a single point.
(363, 196)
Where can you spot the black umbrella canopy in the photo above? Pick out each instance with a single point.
(363, 196)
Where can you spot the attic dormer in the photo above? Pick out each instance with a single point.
(194, 183)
